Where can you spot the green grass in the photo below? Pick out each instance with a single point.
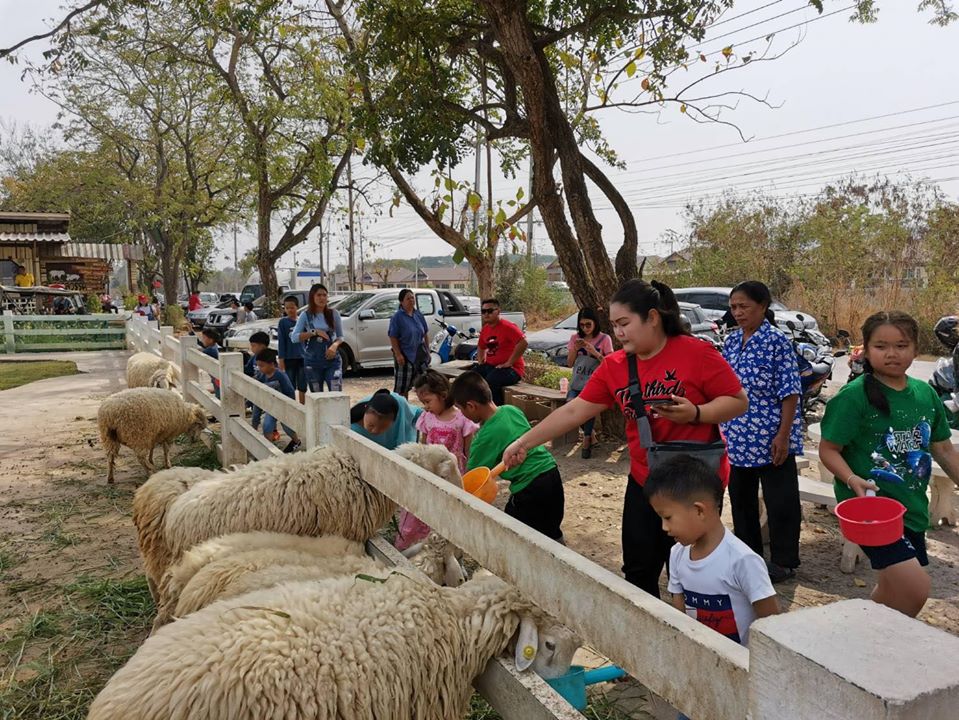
(8, 559)
(599, 708)
(14, 374)
(196, 454)
(59, 658)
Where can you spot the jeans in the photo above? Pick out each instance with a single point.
(589, 424)
(329, 375)
(269, 427)
(497, 379)
(781, 494)
(646, 545)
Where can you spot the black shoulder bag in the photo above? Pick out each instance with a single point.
(710, 453)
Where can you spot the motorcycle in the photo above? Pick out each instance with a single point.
(815, 360)
(943, 379)
(442, 349)
(856, 356)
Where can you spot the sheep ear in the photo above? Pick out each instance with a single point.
(453, 575)
(526, 643)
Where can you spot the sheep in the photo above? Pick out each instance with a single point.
(438, 559)
(145, 369)
(196, 559)
(318, 492)
(342, 649)
(142, 418)
(150, 503)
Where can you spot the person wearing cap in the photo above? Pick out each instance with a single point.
(268, 374)
(143, 307)
(385, 418)
(23, 278)
(209, 340)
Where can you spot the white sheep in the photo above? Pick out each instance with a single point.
(438, 559)
(318, 492)
(142, 418)
(146, 369)
(181, 574)
(340, 649)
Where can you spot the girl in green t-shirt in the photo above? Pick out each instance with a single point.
(887, 426)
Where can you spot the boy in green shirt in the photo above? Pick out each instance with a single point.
(536, 489)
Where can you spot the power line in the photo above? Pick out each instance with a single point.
(776, 32)
(763, 22)
(742, 15)
(808, 130)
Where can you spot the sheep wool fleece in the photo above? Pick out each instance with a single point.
(319, 492)
(345, 649)
(149, 370)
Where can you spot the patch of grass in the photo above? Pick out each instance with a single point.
(59, 538)
(599, 708)
(73, 648)
(16, 373)
(196, 454)
(8, 559)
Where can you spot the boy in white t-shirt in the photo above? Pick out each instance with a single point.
(713, 575)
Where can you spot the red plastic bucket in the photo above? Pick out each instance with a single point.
(870, 520)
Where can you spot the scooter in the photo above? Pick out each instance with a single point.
(856, 356)
(943, 379)
(815, 365)
(441, 347)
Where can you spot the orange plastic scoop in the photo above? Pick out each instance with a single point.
(481, 482)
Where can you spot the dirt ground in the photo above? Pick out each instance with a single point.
(69, 565)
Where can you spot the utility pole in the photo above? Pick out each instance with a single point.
(236, 264)
(362, 261)
(351, 270)
(322, 272)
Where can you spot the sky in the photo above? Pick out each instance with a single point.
(879, 98)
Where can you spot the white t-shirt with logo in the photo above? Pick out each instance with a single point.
(720, 589)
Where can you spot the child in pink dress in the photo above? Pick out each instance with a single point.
(441, 424)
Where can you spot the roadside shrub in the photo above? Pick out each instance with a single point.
(93, 304)
(129, 301)
(173, 315)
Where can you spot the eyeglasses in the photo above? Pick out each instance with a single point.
(488, 311)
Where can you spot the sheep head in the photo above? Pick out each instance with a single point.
(163, 379)
(197, 417)
(434, 458)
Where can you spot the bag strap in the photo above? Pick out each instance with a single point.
(636, 402)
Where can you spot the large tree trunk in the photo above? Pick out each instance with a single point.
(169, 270)
(483, 267)
(582, 256)
(264, 264)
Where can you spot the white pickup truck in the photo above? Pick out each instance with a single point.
(366, 319)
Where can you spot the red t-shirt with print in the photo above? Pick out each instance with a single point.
(686, 366)
(499, 341)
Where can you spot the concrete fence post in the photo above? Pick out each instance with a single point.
(165, 350)
(9, 342)
(851, 659)
(232, 409)
(189, 373)
(323, 411)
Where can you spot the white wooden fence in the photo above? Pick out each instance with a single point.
(699, 671)
(31, 333)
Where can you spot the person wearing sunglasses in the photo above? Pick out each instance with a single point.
(499, 356)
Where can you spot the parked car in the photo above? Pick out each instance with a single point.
(715, 303)
(198, 318)
(222, 319)
(206, 298)
(366, 318)
(553, 341)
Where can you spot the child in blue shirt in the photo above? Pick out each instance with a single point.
(259, 341)
(289, 353)
(209, 344)
(268, 374)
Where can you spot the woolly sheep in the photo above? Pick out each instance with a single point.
(313, 493)
(338, 649)
(150, 503)
(438, 559)
(142, 418)
(197, 558)
(148, 370)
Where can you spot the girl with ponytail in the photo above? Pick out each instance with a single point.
(687, 390)
(887, 427)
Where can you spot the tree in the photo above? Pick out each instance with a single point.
(167, 133)
(384, 269)
(272, 59)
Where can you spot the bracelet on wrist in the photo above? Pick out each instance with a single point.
(698, 414)
(849, 480)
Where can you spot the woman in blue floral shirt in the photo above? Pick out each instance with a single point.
(763, 443)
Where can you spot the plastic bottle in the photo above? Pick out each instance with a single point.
(563, 384)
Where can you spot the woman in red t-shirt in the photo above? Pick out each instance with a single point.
(673, 366)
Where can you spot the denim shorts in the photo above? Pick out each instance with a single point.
(910, 545)
(296, 371)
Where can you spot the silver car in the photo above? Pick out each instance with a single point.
(715, 303)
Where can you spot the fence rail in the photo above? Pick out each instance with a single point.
(39, 333)
(699, 671)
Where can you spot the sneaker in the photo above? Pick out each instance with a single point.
(778, 573)
(292, 446)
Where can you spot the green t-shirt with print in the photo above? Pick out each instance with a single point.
(882, 448)
(493, 437)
